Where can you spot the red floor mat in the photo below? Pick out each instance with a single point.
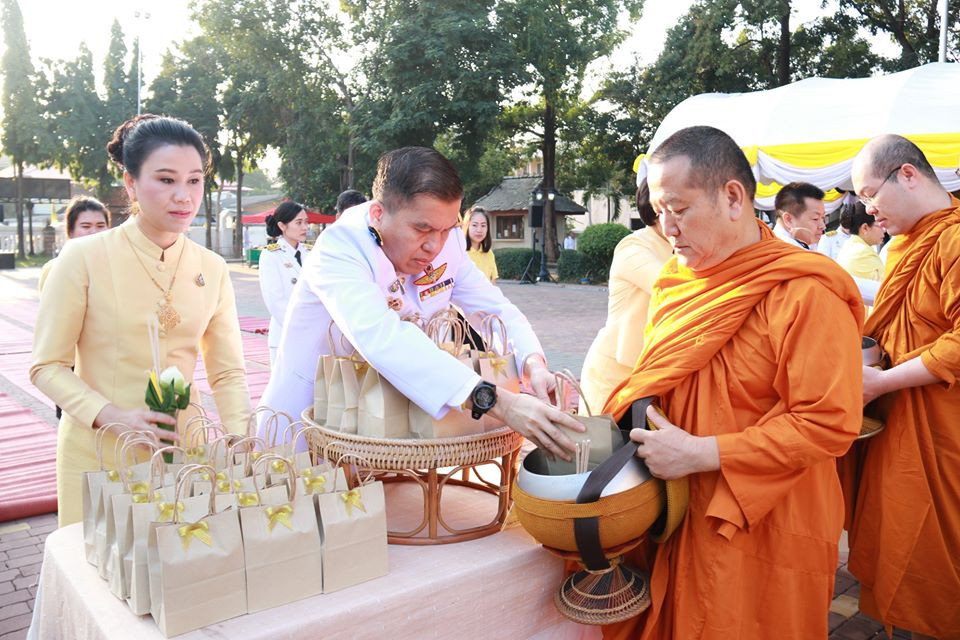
(28, 455)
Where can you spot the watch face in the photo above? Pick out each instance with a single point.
(484, 397)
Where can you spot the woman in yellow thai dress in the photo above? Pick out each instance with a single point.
(637, 261)
(103, 290)
(479, 242)
(859, 256)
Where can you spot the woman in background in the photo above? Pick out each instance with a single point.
(280, 264)
(479, 242)
(859, 256)
(637, 261)
(104, 290)
(85, 217)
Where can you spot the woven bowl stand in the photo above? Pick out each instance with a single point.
(419, 461)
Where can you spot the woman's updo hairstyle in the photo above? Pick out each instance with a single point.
(859, 217)
(284, 213)
(138, 137)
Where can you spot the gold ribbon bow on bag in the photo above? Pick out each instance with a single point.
(247, 499)
(361, 368)
(199, 530)
(353, 499)
(279, 514)
(196, 453)
(278, 465)
(498, 363)
(221, 476)
(313, 483)
(114, 476)
(224, 486)
(140, 492)
(165, 511)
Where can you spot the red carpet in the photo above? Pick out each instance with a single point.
(28, 454)
(252, 324)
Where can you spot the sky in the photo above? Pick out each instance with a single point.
(55, 29)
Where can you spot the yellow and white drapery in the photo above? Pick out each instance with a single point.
(811, 130)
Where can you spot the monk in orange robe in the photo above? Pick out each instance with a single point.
(905, 529)
(735, 353)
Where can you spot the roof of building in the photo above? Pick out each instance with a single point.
(514, 194)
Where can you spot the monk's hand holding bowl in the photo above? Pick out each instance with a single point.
(671, 453)
(874, 384)
(538, 422)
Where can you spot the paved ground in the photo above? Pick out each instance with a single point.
(565, 317)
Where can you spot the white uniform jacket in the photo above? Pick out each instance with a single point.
(868, 288)
(350, 280)
(831, 243)
(279, 273)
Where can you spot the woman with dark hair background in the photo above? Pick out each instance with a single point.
(85, 217)
(103, 292)
(637, 261)
(859, 256)
(280, 264)
(480, 242)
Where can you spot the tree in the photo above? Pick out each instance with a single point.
(75, 121)
(120, 103)
(554, 41)
(913, 24)
(22, 123)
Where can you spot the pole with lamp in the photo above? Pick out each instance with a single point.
(548, 208)
(535, 217)
(141, 16)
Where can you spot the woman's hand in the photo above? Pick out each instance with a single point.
(138, 420)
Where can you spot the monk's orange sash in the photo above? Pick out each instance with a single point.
(695, 314)
(906, 256)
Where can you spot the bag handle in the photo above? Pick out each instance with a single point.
(490, 326)
(157, 462)
(586, 531)
(359, 459)
(185, 474)
(102, 431)
(122, 469)
(252, 420)
(274, 460)
(126, 436)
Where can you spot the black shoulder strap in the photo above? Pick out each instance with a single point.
(587, 530)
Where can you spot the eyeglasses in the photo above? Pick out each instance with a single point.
(868, 201)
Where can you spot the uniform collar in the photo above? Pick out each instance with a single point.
(286, 246)
(145, 245)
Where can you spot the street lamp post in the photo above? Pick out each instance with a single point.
(544, 275)
(141, 16)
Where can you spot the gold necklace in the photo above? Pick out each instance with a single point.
(167, 316)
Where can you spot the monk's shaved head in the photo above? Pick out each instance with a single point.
(714, 157)
(885, 153)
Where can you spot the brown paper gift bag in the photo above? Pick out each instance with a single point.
(321, 384)
(103, 513)
(199, 567)
(354, 534)
(155, 506)
(382, 410)
(120, 525)
(294, 436)
(281, 543)
(92, 484)
(601, 438)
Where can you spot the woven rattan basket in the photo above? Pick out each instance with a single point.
(420, 461)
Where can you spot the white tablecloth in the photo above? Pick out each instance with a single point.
(501, 586)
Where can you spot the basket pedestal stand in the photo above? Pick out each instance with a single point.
(432, 465)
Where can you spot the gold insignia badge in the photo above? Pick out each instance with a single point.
(395, 303)
(430, 275)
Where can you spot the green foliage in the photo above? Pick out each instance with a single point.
(120, 103)
(914, 25)
(511, 262)
(597, 244)
(572, 266)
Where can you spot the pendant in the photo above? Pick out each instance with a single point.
(166, 314)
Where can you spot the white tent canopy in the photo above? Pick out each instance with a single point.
(812, 129)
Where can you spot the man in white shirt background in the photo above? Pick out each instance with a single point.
(800, 214)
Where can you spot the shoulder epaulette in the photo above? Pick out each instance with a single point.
(307, 246)
(273, 247)
(831, 233)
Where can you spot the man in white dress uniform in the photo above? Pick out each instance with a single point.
(395, 257)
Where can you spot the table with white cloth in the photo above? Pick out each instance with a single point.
(500, 586)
